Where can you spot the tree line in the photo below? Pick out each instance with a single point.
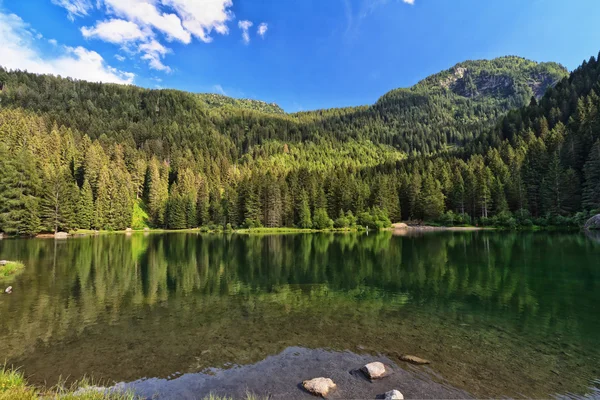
(67, 162)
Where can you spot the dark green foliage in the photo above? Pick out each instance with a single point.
(322, 220)
(441, 151)
(85, 206)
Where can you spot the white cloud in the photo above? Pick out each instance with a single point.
(153, 53)
(262, 29)
(53, 42)
(200, 18)
(244, 26)
(19, 52)
(145, 13)
(119, 57)
(411, 2)
(219, 89)
(75, 8)
(116, 31)
(138, 26)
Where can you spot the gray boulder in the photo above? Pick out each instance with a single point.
(394, 395)
(593, 223)
(374, 370)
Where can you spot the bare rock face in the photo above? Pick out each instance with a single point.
(394, 395)
(374, 370)
(413, 359)
(593, 223)
(319, 386)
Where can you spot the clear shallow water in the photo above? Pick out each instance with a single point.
(499, 314)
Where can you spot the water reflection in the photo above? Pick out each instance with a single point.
(484, 305)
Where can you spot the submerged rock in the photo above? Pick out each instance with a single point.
(374, 370)
(394, 395)
(319, 386)
(8, 290)
(413, 359)
(593, 223)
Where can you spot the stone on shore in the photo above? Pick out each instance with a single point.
(319, 386)
(394, 395)
(399, 225)
(593, 223)
(374, 370)
(413, 359)
(3, 262)
(8, 290)
(61, 235)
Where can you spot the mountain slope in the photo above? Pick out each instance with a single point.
(423, 119)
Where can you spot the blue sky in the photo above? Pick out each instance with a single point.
(300, 54)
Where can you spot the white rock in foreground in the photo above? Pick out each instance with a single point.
(319, 386)
(394, 395)
(374, 370)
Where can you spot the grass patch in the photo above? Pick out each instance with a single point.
(9, 271)
(13, 386)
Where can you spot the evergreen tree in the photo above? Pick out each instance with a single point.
(591, 190)
(304, 219)
(85, 206)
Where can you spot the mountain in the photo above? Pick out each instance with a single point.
(75, 154)
(434, 114)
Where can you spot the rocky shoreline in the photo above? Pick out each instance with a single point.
(291, 375)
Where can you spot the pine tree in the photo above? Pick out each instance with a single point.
(431, 200)
(591, 188)
(304, 219)
(85, 206)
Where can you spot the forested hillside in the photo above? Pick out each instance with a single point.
(83, 155)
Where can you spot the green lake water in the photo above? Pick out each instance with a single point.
(497, 313)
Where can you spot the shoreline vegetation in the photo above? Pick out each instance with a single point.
(14, 386)
(396, 227)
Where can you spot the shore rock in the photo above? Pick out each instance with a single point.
(399, 225)
(319, 386)
(413, 359)
(61, 235)
(3, 262)
(374, 370)
(8, 290)
(593, 223)
(394, 395)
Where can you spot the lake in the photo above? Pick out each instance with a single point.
(497, 313)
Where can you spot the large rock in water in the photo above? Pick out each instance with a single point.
(319, 386)
(61, 235)
(593, 223)
(374, 370)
